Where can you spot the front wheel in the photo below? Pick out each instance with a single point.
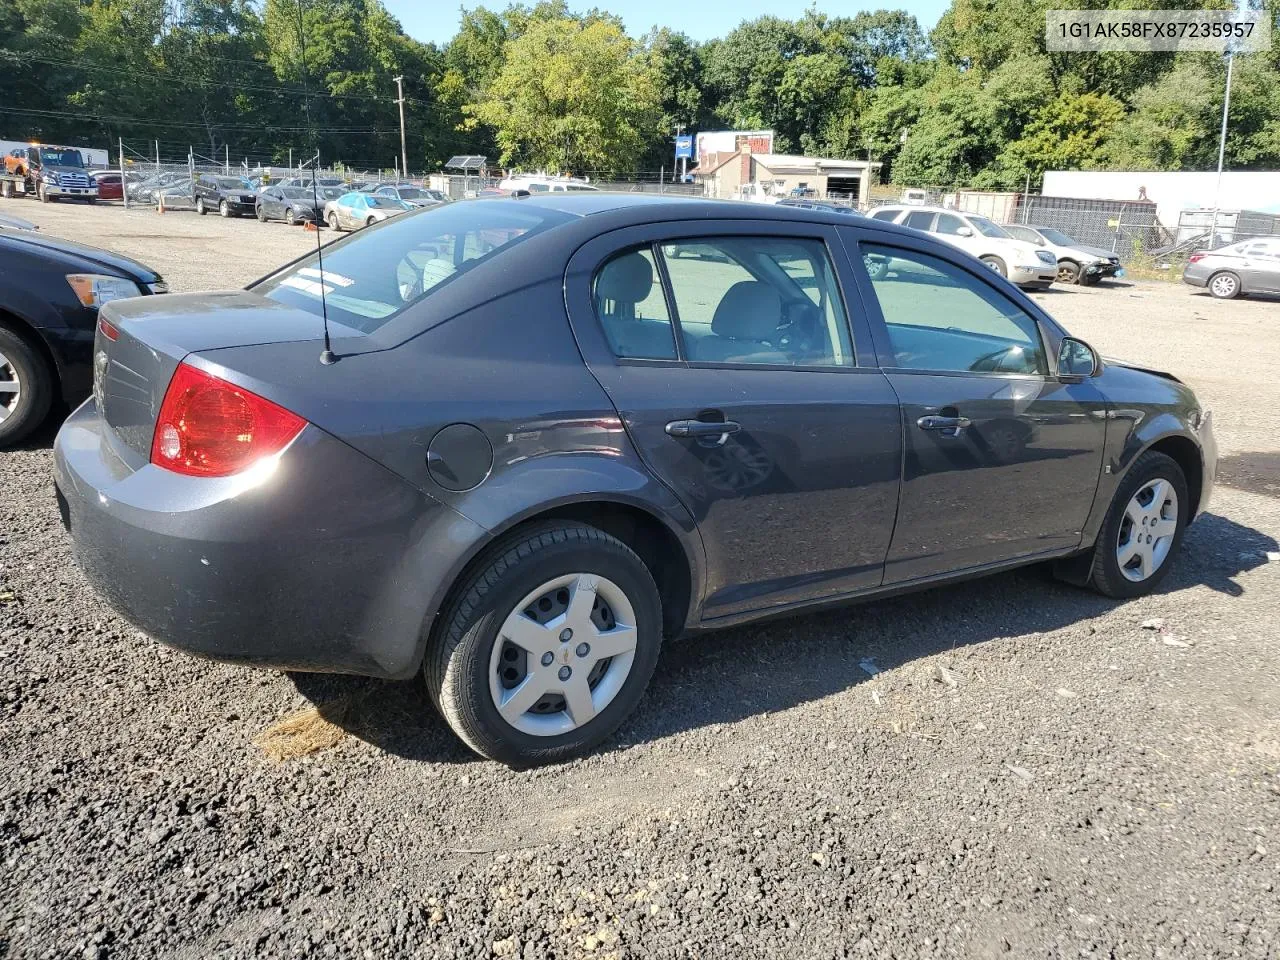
(1224, 286)
(1143, 528)
(333, 222)
(200, 207)
(548, 647)
(224, 209)
(996, 264)
(1068, 271)
(26, 388)
(290, 217)
(261, 214)
(370, 221)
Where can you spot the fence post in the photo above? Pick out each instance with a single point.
(157, 156)
(226, 159)
(124, 184)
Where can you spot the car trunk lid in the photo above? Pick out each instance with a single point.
(140, 342)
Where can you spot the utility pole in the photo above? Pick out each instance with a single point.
(1222, 149)
(404, 153)
(124, 181)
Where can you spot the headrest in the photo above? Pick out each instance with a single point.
(749, 310)
(626, 279)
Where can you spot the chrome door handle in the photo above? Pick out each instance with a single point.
(702, 428)
(943, 423)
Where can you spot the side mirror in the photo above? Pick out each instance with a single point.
(1077, 360)
(964, 232)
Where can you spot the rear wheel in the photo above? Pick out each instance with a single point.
(1068, 271)
(1224, 286)
(200, 207)
(548, 647)
(333, 221)
(996, 264)
(1143, 527)
(26, 388)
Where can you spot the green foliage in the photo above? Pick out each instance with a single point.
(978, 102)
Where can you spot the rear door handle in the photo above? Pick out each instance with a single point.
(943, 423)
(703, 428)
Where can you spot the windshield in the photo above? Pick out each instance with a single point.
(411, 193)
(379, 201)
(372, 276)
(296, 193)
(331, 193)
(55, 157)
(229, 183)
(1058, 237)
(988, 228)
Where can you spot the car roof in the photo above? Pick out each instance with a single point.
(648, 207)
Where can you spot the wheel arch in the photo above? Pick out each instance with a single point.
(667, 555)
(21, 327)
(1186, 454)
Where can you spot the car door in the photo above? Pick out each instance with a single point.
(1261, 269)
(1001, 459)
(728, 351)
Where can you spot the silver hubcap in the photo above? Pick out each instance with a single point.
(1147, 530)
(1224, 286)
(563, 654)
(10, 388)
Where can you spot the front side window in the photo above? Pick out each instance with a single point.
(949, 223)
(632, 308)
(372, 276)
(941, 317)
(746, 300)
(988, 228)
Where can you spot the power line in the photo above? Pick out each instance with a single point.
(276, 128)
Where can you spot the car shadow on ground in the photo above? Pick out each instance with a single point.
(724, 676)
(1256, 295)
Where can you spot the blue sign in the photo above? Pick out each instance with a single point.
(684, 147)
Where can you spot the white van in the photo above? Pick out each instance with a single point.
(543, 184)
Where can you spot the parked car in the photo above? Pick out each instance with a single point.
(1077, 262)
(408, 193)
(230, 196)
(1250, 266)
(50, 292)
(145, 191)
(323, 182)
(807, 204)
(109, 184)
(355, 209)
(548, 441)
(1025, 264)
(290, 204)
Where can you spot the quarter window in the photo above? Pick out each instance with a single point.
(748, 300)
(941, 317)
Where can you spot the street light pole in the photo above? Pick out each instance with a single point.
(1222, 149)
(404, 153)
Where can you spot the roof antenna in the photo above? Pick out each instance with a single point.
(327, 356)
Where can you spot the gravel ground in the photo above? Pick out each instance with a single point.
(1035, 771)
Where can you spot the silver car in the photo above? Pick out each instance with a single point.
(1250, 266)
(1077, 262)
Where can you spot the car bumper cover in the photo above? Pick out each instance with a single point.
(324, 563)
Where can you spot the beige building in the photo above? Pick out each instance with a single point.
(744, 174)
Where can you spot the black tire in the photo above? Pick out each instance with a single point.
(996, 264)
(224, 209)
(1105, 575)
(290, 217)
(1069, 272)
(457, 661)
(333, 222)
(37, 382)
(1090, 279)
(200, 207)
(1224, 285)
(369, 222)
(43, 194)
(261, 214)
(6, 189)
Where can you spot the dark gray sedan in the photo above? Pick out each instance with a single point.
(290, 204)
(555, 431)
(1250, 266)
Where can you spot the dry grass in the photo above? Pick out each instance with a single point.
(305, 732)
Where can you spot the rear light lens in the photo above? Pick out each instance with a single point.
(1195, 258)
(211, 428)
(108, 330)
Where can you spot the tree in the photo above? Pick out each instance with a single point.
(1068, 134)
(572, 95)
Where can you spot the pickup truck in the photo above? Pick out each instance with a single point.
(48, 172)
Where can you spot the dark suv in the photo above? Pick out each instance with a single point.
(228, 195)
(546, 434)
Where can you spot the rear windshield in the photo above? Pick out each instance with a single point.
(373, 275)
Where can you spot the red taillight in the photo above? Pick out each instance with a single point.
(1195, 258)
(211, 428)
(108, 330)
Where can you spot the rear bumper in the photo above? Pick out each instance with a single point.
(1194, 278)
(324, 563)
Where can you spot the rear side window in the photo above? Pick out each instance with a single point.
(888, 215)
(372, 276)
(919, 219)
(632, 308)
(749, 300)
(941, 317)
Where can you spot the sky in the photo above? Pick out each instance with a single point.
(437, 20)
